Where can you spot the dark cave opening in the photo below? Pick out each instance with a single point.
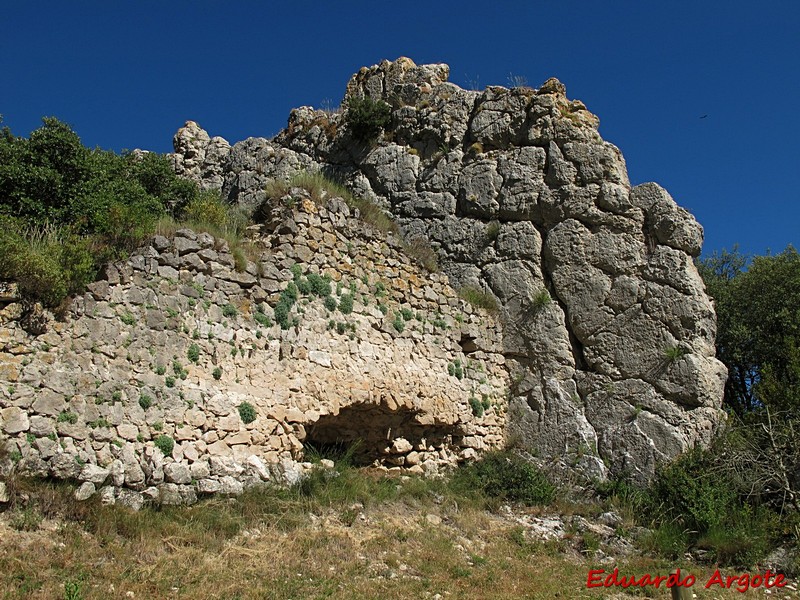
(368, 434)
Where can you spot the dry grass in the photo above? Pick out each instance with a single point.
(358, 535)
(243, 250)
(479, 299)
(319, 188)
(421, 252)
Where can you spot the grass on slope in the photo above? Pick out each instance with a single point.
(343, 534)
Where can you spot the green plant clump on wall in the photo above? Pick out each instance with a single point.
(247, 412)
(165, 444)
(367, 117)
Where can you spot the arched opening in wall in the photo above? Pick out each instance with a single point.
(368, 434)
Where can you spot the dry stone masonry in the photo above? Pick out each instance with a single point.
(608, 333)
(143, 392)
(176, 375)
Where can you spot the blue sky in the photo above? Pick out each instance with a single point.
(128, 74)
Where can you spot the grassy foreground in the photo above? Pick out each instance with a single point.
(347, 534)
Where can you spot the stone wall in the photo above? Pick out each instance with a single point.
(143, 391)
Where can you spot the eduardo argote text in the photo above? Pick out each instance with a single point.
(741, 583)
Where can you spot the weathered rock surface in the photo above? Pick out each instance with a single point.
(198, 156)
(608, 334)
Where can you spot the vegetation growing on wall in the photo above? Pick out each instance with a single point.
(66, 209)
(366, 118)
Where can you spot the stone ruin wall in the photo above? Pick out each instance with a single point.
(70, 398)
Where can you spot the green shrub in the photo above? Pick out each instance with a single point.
(399, 324)
(291, 292)
(697, 501)
(47, 262)
(110, 202)
(541, 299)
(282, 310)
(743, 540)
(346, 304)
(506, 476)
(262, 319)
(476, 406)
(207, 208)
(673, 353)
(247, 412)
(145, 401)
(455, 369)
(165, 444)
(367, 117)
(284, 306)
(407, 313)
(128, 318)
(320, 286)
(177, 369)
(160, 369)
(303, 286)
(169, 381)
(330, 303)
(685, 494)
(669, 540)
(492, 232)
(193, 354)
(229, 311)
(217, 373)
(67, 417)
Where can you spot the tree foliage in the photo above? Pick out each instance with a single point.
(758, 323)
(65, 209)
(758, 339)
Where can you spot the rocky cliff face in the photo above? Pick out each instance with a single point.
(608, 337)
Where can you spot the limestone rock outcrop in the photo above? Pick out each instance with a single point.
(608, 334)
(198, 156)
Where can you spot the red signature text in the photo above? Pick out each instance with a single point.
(741, 583)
